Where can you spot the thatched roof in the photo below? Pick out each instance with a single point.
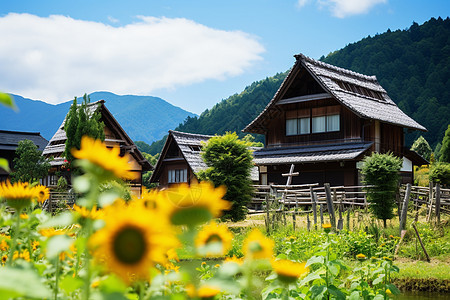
(360, 93)
(9, 140)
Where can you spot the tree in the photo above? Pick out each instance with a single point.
(445, 149)
(229, 162)
(29, 164)
(152, 159)
(381, 172)
(422, 147)
(440, 173)
(81, 121)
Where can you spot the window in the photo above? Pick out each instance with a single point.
(304, 125)
(298, 126)
(318, 124)
(176, 176)
(291, 127)
(333, 123)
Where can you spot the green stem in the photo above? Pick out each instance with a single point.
(286, 292)
(326, 264)
(56, 277)
(87, 278)
(14, 238)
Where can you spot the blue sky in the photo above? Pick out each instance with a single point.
(191, 53)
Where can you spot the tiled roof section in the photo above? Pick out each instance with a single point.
(9, 140)
(371, 102)
(189, 144)
(308, 154)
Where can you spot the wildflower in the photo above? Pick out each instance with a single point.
(289, 271)
(326, 227)
(17, 195)
(172, 254)
(216, 266)
(203, 263)
(171, 267)
(214, 239)
(49, 232)
(387, 258)
(192, 205)
(361, 256)
(96, 152)
(4, 245)
(25, 255)
(4, 258)
(391, 236)
(95, 283)
(257, 246)
(388, 292)
(132, 241)
(34, 245)
(24, 216)
(203, 292)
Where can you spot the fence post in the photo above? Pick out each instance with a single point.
(405, 207)
(267, 213)
(330, 205)
(431, 200)
(438, 203)
(314, 205)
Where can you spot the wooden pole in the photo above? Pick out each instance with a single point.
(438, 203)
(267, 213)
(421, 243)
(321, 214)
(308, 223)
(330, 205)
(314, 205)
(431, 201)
(404, 213)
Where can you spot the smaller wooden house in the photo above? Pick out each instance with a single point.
(181, 160)
(9, 140)
(115, 136)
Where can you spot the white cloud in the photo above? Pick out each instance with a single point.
(301, 3)
(345, 8)
(57, 58)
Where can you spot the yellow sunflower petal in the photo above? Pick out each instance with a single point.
(258, 246)
(214, 239)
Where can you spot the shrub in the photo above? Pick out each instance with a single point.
(440, 173)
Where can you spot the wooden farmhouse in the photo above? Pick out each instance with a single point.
(9, 140)
(325, 120)
(181, 160)
(115, 136)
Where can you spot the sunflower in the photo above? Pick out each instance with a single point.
(83, 212)
(203, 292)
(17, 195)
(195, 204)
(289, 271)
(148, 199)
(96, 152)
(234, 259)
(326, 227)
(361, 256)
(214, 239)
(132, 241)
(257, 246)
(42, 193)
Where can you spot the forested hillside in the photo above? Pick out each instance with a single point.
(413, 65)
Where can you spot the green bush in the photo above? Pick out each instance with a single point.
(381, 172)
(440, 173)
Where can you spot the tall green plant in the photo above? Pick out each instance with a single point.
(81, 121)
(230, 161)
(381, 172)
(445, 149)
(422, 147)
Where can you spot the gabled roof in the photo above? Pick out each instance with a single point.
(57, 145)
(190, 145)
(9, 140)
(360, 93)
(310, 154)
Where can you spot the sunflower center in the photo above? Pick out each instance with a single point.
(129, 245)
(213, 238)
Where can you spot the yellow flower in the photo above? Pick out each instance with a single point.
(4, 259)
(289, 271)
(97, 153)
(388, 292)
(203, 263)
(192, 205)
(83, 212)
(387, 258)
(49, 232)
(95, 283)
(204, 292)
(132, 241)
(25, 255)
(326, 227)
(257, 246)
(172, 254)
(214, 239)
(35, 245)
(42, 193)
(171, 267)
(234, 259)
(24, 216)
(17, 195)
(148, 199)
(361, 256)
(216, 266)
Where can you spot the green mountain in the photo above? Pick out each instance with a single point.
(144, 118)
(413, 65)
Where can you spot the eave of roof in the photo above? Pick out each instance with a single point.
(310, 154)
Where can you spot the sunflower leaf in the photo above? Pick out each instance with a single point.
(21, 283)
(7, 100)
(4, 165)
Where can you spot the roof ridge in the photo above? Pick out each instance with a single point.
(21, 132)
(188, 133)
(335, 68)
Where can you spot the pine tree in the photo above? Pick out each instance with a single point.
(80, 121)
